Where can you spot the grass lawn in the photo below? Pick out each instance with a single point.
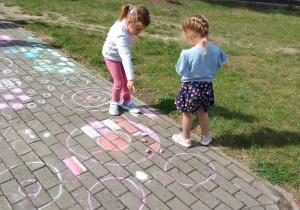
(256, 118)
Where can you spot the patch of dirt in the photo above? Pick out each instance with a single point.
(14, 13)
(164, 4)
(150, 97)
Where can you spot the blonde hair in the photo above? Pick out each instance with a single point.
(135, 14)
(197, 25)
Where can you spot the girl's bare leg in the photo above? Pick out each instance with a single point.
(203, 121)
(186, 125)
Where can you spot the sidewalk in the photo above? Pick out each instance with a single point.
(60, 149)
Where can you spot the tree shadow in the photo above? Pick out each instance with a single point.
(264, 137)
(256, 7)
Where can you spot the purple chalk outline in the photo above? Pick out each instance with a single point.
(30, 195)
(96, 107)
(138, 188)
(211, 177)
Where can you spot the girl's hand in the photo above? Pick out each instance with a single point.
(130, 85)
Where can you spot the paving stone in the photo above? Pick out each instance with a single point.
(225, 184)
(22, 175)
(175, 203)
(41, 199)
(36, 125)
(206, 197)
(69, 181)
(43, 117)
(60, 119)
(184, 195)
(41, 149)
(54, 128)
(91, 183)
(81, 195)
(46, 178)
(271, 207)
(247, 199)
(159, 190)
(130, 201)
(26, 115)
(65, 200)
(159, 175)
(5, 174)
(161, 130)
(222, 206)
(262, 188)
(108, 200)
(24, 204)
(222, 170)
(10, 190)
(154, 203)
(114, 185)
(4, 146)
(76, 207)
(200, 205)
(65, 111)
(223, 161)
(241, 173)
(205, 181)
(246, 187)
(227, 198)
(54, 163)
(4, 204)
(32, 161)
(10, 134)
(263, 199)
(10, 159)
(60, 151)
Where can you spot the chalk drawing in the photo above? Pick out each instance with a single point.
(208, 163)
(74, 165)
(141, 175)
(30, 195)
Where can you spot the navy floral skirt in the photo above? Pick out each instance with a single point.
(193, 96)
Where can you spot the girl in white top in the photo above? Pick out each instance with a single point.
(132, 21)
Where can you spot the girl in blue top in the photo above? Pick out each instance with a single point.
(197, 66)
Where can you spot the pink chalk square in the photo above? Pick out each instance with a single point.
(17, 90)
(8, 97)
(24, 97)
(16, 106)
(74, 165)
(128, 127)
(96, 125)
(3, 106)
(111, 136)
(103, 130)
(5, 37)
(154, 146)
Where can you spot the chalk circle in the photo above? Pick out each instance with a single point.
(50, 87)
(87, 99)
(46, 95)
(211, 177)
(44, 81)
(136, 187)
(34, 195)
(50, 108)
(118, 144)
(59, 178)
(9, 72)
(31, 91)
(5, 63)
(29, 78)
(41, 101)
(31, 105)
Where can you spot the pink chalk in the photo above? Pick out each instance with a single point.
(161, 151)
(148, 151)
(144, 134)
(144, 140)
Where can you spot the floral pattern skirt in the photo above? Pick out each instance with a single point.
(193, 96)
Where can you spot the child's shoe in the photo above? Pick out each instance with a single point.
(114, 108)
(205, 140)
(131, 107)
(180, 140)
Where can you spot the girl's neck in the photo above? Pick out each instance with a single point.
(201, 43)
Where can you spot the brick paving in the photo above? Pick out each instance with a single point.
(60, 149)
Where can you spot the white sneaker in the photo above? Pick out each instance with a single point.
(205, 140)
(180, 140)
(131, 107)
(114, 108)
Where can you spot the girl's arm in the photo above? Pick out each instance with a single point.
(182, 66)
(124, 52)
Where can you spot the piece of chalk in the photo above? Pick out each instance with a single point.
(148, 151)
(161, 151)
(144, 140)
(144, 134)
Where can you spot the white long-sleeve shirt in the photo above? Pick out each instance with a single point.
(117, 44)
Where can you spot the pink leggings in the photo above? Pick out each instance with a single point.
(120, 80)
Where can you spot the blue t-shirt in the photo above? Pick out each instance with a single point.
(196, 65)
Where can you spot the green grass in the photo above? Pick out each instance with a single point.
(257, 93)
